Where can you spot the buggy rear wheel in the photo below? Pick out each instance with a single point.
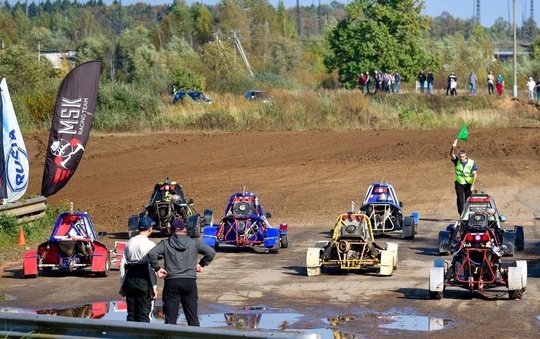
(515, 295)
(520, 238)
(509, 241)
(435, 295)
(408, 228)
(393, 247)
(132, 233)
(105, 273)
(284, 241)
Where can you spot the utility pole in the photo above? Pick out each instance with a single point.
(515, 54)
(298, 24)
(319, 20)
(238, 46)
(478, 12)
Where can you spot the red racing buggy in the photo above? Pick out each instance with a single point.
(73, 246)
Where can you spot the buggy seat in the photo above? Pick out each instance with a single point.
(242, 205)
(71, 226)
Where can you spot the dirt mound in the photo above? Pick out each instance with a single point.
(303, 176)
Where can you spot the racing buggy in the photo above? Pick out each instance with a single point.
(477, 265)
(245, 224)
(167, 203)
(385, 211)
(352, 248)
(73, 246)
(480, 211)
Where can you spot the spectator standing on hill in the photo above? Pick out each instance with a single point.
(378, 80)
(368, 82)
(499, 84)
(531, 86)
(422, 80)
(384, 82)
(472, 84)
(430, 80)
(453, 87)
(362, 82)
(388, 81)
(538, 90)
(464, 177)
(397, 79)
(490, 82)
(451, 76)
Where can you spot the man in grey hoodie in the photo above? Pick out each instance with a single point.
(180, 253)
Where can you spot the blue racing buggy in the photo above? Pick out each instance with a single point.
(385, 211)
(245, 224)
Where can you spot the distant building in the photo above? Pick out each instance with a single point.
(58, 59)
(503, 55)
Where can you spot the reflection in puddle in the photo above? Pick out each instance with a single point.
(259, 317)
(386, 321)
(238, 318)
(414, 323)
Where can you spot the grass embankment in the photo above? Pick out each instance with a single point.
(34, 232)
(302, 110)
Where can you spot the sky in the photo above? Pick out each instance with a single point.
(490, 10)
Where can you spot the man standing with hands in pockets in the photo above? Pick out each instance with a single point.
(180, 270)
(138, 281)
(465, 175)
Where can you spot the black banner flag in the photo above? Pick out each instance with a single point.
(71, 124)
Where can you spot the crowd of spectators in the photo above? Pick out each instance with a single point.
(388, 82)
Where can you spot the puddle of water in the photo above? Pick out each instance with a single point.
(391, 321)
(256, 317)
(414, 323)
(253, 317)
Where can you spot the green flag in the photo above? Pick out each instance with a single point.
(463, 134)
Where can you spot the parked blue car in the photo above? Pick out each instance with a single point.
(197, 96)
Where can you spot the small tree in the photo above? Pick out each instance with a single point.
(382, 35)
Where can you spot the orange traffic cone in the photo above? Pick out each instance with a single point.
(22, 241)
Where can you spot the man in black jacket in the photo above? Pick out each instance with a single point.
(422, 80)
(180, 270)
(138, 281)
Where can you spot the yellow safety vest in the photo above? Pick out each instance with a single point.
(464, 175)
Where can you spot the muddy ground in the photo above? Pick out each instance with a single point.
(306, 179)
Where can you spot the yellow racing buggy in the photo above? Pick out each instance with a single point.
(352, 248)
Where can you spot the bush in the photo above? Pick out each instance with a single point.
(122, 106)
(35, 232)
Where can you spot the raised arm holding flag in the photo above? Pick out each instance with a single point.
(465, 171)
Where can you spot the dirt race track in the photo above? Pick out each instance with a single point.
(306, 179)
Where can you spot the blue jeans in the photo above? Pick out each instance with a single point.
(430, 88)
(472, 88)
